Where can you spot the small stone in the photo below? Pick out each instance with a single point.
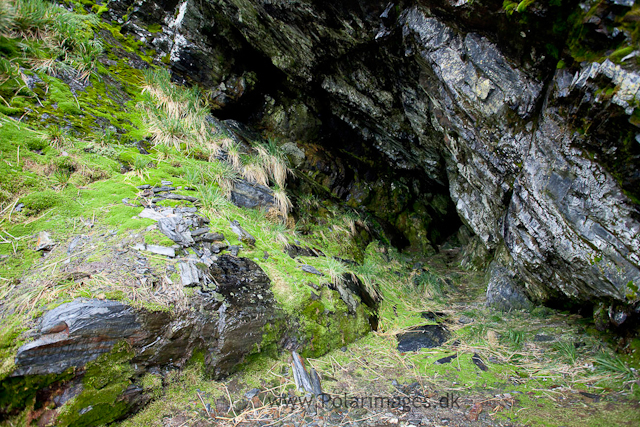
(162, 189)
(477, 360)
(234, 249)
(465, 320)
(310, 269)
(242, 234)
(151, 214)
(199, 231)
(161, 250)
(166, 183)
(313, 285)
(180, 197)
(189, 274)
(542, 338)
(252, 393)
(143, 187)
(45, 243)
(18, 207)
(393, 420)
(444, 360)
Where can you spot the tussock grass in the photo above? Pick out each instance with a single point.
(253, 170)
(282, 201)
(56, 41)
(274, 161)
(177, 117)
(213, 199)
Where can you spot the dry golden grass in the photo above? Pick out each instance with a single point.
(282, 201)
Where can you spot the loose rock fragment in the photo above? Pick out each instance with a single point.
(242, 234)
(189, 273)
(45, 242)
(151, 214)
(311, 269)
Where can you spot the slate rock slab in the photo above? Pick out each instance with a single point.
(75, 333)
(244, 236)
(248, 195)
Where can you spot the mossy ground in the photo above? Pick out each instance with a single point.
(529, 381)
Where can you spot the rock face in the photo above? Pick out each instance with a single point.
(227, 324)
(466, 104)
(76, 333)
(78, 341)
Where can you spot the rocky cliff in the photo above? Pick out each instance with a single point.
(521, 118)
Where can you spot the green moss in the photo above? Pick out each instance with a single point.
(39, 201)
(17, 393)
(155, 237)
(621, 53)
(105, 380)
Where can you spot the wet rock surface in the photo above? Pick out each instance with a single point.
(248, 195)
(76, 333)
(469, 114)
(427, 336)
(221, 305)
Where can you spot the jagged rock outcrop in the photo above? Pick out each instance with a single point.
(222, 323)
(465, 96)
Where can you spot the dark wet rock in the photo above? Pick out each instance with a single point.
(445, 360)
(174, 196)
(243, 315)
(248, 195)
(166, 183)
(477, 360)
(543, 338)
(45, 242)
(234, 249)
(427, 336)
(175, 229)
(242, 234)
(75, 333)
(311, 270)
(162, 189)
(505, 290)
(296, 251)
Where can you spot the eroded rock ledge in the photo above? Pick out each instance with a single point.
(538, 156)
